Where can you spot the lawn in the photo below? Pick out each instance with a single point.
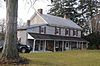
(67, 58)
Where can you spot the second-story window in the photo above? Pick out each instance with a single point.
(42, 29)
(66, 32)
(57, 31)
(75, 32)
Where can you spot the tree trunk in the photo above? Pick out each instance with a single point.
(10, 50)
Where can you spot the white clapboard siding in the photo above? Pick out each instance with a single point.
(22, 34)
(37, 20)
(50, 30)
(33, 30)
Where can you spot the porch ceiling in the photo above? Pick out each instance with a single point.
(55, 37)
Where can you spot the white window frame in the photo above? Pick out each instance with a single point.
(57, 31)
(42, 30)
(76, 33)
(67, 32)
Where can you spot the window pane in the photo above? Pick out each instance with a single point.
(42, 29)
(57, 31)
(73, 32)
(66, 31)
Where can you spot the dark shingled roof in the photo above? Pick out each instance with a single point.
(55, 37)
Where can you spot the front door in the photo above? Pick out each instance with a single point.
(66, 45)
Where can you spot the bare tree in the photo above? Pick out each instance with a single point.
(10, 52)
(2, 25)
(20, 22)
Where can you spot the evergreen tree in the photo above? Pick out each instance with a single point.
(88, 9)
(80, 11)
(63, 7)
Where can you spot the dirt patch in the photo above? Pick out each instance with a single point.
(18, 61)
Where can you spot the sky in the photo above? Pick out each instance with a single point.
(25, 10)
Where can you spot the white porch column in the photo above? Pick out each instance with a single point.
(82, 46)
(45, 46)
(65, 45)
(39, 45)
(86, 45)
(77, 45)
(34, 45)
(62, 45)
(69, 45)
(54, 47)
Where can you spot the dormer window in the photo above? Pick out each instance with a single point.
(75, 33)
(42, 29)
(66, 32)
(57, 31)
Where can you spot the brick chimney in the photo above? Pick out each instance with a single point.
(28, 23)
(40, 11)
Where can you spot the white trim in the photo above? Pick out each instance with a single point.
(82, 46)
(29, 36)
(62, 40)
(62, 45)
(77, 45)
(86, 45)
(54, 47)
(44, 46)
(39, 45)
(34, 45)
(42, 18)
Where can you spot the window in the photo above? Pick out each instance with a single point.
(57, 31)
(66, 32)
(75, 32)
(42, 29)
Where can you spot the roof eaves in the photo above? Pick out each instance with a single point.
(36, 26)
(42, 18)
(65, 26)
(33, 16)
(21, 29)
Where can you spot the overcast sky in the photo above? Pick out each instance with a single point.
(24, 10)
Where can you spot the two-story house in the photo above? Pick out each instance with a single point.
(51, 33)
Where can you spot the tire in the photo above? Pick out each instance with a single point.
(23, 50)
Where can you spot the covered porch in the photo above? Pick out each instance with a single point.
(50, 43)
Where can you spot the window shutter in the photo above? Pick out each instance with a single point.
(76, 32)
(69, 32)
(59, 31)
(39, 29)
(55, 30)
(65, 32)
(44, 30)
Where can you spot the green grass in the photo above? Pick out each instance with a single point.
(67, 58)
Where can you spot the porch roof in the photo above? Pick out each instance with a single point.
(56, 37)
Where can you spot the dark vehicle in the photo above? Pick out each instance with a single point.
(1, 45)
(21, 48)
(24, 48)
